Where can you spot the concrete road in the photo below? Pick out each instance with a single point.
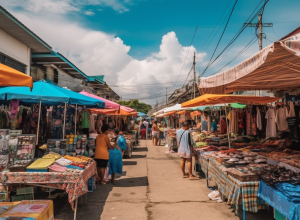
(152, 188)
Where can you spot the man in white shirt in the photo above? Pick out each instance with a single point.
(146, 123)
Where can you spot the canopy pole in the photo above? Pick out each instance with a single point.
(75, 118)
(64, 129)
(220, 118)
(38, 125)
(227, 126)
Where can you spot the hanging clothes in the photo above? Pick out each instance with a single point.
(92, 123)
(271, 125)
(291, 112)
(208, 123)
(233, 123)
(85, 121)
(241, 122)
(280, 119)
(258, 120)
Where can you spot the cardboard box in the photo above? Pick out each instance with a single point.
(36, 209)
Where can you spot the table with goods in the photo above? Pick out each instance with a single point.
(249, 173)
(63, 167)
(171, 139)
(130, 138)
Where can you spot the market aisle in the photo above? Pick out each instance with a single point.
(151, 188)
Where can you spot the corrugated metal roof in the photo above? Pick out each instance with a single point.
(18, 30)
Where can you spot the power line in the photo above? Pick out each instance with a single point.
(221, 36)
(241, 30)
(186, 55)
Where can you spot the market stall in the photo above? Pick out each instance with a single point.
(236, 171)
(19, 163)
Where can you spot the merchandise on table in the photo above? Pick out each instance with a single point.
(40, 165)
(58, 146)
(63, 161)
(13, 144)
(76, 144)
(26, 147)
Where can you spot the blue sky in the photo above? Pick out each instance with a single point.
(140, 45)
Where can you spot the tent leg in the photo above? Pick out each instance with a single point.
(75, 118)
(64, 128)
(38, 125)
(227, 126)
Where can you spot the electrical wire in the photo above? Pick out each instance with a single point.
(221, 36)
(249, 20)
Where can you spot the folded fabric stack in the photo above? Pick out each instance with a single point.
(292, 192)
(63, 162)
(57, 168)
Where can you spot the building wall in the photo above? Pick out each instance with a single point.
(15, 49)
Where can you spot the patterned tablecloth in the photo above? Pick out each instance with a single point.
(75, 184)
(238, 193)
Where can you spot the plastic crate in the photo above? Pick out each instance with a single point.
(91, 187)
(21, 197)
(279, 216)
(26, 190)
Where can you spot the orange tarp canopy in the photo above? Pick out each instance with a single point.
(163, 115)
(212, 99)
(12, 77)
(112, 112)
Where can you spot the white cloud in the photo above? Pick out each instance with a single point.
(65, 6)
(90, 13)
(99, 53)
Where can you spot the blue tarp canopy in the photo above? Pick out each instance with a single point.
(141, 114)
(49, 94)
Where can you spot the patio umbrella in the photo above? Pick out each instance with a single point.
(50, 94)
(108, 104)
(12, 77)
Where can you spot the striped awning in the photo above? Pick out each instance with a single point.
(276, 67)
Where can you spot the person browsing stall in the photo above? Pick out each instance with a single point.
(185, 149)
(120, 141)
(154, 133)
(102, 153)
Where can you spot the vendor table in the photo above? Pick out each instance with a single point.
(172, 142)
(75, 184)
(279, 201)
(238, 193)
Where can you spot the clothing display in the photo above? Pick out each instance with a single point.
(271, 126)
(281, 115)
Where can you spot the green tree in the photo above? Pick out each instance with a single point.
(135, 104)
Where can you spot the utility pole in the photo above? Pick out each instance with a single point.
(194, 74)
(259, 25)
(166, 96)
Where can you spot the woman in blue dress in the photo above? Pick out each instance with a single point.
(115, 162)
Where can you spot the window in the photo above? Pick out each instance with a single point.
(12, 63)
(55, 76)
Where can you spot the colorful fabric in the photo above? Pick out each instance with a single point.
(121, 142)
(115, 161)
(238, 193)
(75, 184)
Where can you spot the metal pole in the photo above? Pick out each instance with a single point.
(260, 31)
(166, 96)
(38, 125)
(75, 211)
(227, 126)
(65, 112)
(75, 118)
(194, 74)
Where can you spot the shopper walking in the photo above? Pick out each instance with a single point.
(186, 150)
(102, 153)
(160, 134)
(154, 133)
(120, 141)
(115, 162)
(143, 131)
(150, 129)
